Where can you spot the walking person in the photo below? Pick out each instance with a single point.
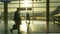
(27, 18)
(28, 22)
(17, 21)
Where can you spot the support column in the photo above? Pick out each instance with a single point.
(6, 17)
(47, 14)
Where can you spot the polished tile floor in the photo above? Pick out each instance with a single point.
(35, 27)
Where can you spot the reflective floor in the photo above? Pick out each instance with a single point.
(35, 27)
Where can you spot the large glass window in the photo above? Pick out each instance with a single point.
(37, 13)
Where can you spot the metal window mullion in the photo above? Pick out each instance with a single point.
(33, 9)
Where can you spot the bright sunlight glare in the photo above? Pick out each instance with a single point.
(26, 3)
(24, 27)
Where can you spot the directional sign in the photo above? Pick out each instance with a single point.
(5, 0)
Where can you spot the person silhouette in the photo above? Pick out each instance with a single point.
(28, 22)
(17, 21)
(27, 17)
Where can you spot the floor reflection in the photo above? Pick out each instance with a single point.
(23, 27)
(35, 27)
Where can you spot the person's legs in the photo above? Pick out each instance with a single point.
(13, 28)
(18, 26)
(19, 29)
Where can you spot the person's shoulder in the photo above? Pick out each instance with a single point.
(15, 12)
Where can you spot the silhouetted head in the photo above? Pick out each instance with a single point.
(17, 10)
(27, 13)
